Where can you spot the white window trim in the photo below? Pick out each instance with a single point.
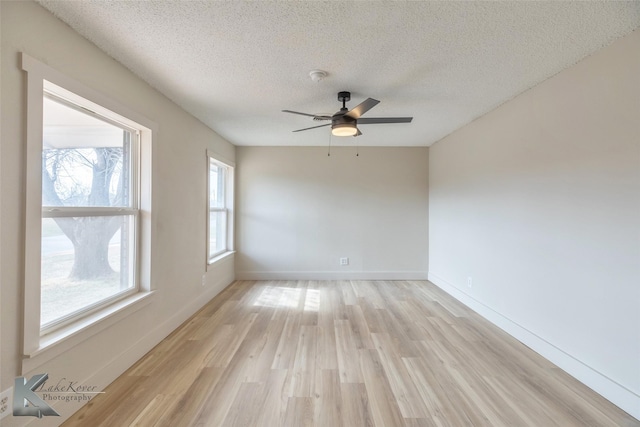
(37, 349)
(229, 207)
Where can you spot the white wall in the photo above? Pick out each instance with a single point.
(539, 202)
(178, 203)
(299, 211)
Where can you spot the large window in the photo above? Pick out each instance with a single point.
(220, 204)
(88, 211)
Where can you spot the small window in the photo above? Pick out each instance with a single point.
(220, 203)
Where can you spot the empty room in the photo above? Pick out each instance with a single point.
(319, 213)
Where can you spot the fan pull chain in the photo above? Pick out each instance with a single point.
(329, 152)
(357, 149)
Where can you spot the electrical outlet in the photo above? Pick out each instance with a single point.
(344, 261)
(469, 282)
(204, 279)
(6, 402)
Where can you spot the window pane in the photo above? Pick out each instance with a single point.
(216, 185)
(217, 232)
(84, 261)
(86, 160)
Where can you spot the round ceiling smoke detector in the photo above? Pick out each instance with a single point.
(317, 75)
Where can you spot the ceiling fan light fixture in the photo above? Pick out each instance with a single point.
(344, 129)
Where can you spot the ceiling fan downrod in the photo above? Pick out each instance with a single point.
(344, 97)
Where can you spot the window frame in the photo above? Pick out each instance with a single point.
(229, 175)
(38, 345)
(51, 91)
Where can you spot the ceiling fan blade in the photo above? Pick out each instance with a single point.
(297, 112)
(362, 108)
(357, 134)
(315, 117)
(373, 120)
(312, 127)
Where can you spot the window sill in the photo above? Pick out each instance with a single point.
(221, 257)
(63, 339)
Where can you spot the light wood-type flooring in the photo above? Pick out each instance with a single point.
(343, 353)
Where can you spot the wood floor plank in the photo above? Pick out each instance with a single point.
(181, 409)
(220, 400)
(267, 344)
(327, 357)
(287, 343)
(373, 316)
(326, 308)
(535, 412)
(153, 414)
(355, 405)
(328, 409)
(405, 392)
(300, 412)
(486, 399)
(427, 390)
(348, 295)
(241, 412)
(343, 353)
(359, 327)
(273, 409)
(302, 376)
(348, 362)
(225, 349)
(384, 408)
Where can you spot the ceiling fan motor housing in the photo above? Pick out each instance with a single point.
(341, 119)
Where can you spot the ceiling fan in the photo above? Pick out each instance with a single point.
(345, 122)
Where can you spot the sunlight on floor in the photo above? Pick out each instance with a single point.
(283, 297)
(312, 301)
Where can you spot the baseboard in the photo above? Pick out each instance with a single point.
(616, 393)
(123, 361)
(331, 275)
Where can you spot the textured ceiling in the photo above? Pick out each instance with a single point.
(234, 65)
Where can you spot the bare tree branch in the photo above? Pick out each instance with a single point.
(61, 186)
